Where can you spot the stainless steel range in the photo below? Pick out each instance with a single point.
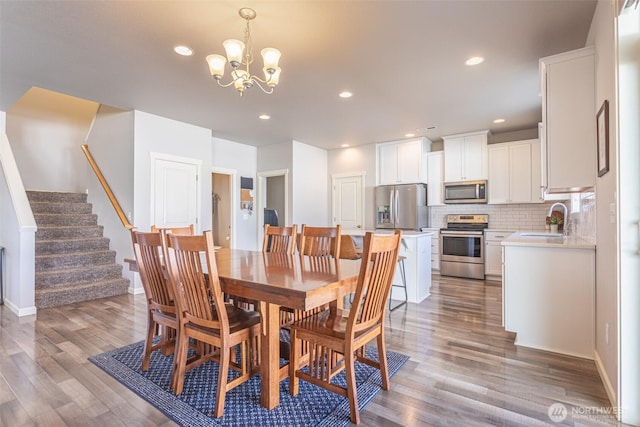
(462, 246)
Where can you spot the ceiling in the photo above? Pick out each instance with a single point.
(403, 61)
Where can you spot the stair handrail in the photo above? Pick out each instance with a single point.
(105, 186)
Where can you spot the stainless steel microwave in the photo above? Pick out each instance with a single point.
(465, 192)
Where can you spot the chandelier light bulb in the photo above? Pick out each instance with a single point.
(270, 56)
(235, 50)
(272, 76)
(216, 65)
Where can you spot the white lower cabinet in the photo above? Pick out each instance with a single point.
(493, 253)
(549, 298)
(435, 248)
(416, 249)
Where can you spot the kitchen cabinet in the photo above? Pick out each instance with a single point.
(567, 82)
(435, 177)
(416, 248)
(549, 293)
(514, 172)
(435, 248)
(493, 253)
(466, 156)
(402, 162)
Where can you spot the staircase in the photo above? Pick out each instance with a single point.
(73, 261)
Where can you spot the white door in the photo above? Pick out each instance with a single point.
(348, 201)
(175, 195)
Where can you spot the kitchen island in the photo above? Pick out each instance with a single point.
(416, 248)
(548, 292)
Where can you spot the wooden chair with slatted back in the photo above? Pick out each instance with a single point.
(161, 318)
(348, 248)
(320, 241)
(279, 239)
(334, 333)
(204, 316)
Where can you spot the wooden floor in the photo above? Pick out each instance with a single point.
(464, 369)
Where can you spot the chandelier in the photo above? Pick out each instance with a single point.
(240, 57)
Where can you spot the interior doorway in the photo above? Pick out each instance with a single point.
(273, 199)
(222, 208)
(347, 195)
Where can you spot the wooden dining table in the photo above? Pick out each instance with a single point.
(280, 280)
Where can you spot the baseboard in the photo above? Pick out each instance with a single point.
(608, 387)
(135, 291)
(20, 312)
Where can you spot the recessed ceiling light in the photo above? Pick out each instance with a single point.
(264, 117)
(409, 135)
(344, 145)
(498, 121)
(345, 94)
(474, 60)
(183, 50)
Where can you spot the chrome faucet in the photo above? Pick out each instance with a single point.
(565, 227)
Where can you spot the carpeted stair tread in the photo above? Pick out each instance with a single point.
(59, 232)
(58, 246)
(66, 219)
(58, 278)
(52, 297)
(55, 207)
(56, 196)
(74, 259)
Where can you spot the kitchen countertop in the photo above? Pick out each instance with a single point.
(405, 233)
(569, 242)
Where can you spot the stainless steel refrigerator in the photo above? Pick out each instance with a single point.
(402, 206)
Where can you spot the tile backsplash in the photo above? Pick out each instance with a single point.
(526, 216)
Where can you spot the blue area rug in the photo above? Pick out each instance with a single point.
(313, 406)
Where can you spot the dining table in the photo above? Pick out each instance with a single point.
(280, 280)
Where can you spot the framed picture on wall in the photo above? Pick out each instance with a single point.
(602, 137)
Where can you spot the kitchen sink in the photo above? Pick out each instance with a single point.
(542, 234)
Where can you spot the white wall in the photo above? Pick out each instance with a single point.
(111, 145)
(17, 236)
(155, 134)
(310, 183)
(601, 34)
(242, 159)
(277, 157)
(47, 129)
(356, 160)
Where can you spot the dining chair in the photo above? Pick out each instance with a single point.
(279, 239)
(320, 241)
(337, 338)
(147, 248)
(317, 245)
(348, 248)
(232, 333)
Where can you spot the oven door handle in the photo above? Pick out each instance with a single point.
(460, 233)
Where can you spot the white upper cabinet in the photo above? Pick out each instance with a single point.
(466, 156)
(568, 120)
(435, 163)
(403, 162)
(514, 172)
